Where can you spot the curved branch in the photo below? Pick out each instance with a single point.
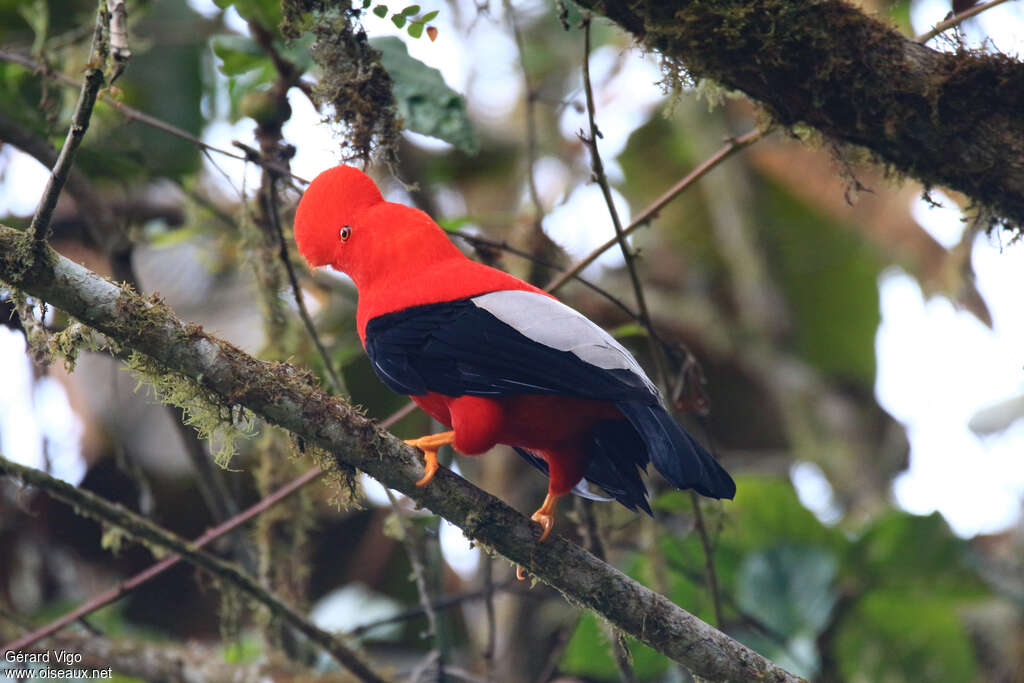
(947, 119)
(286, 396)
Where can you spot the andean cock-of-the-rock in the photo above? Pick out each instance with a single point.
(494, 358)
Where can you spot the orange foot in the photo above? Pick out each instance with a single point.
(545, 516)
(429, 445)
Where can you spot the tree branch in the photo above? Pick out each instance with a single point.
(956, 20)
(946, 119)
(140, 116)
(285, 396)
(94, 79)
(648, 214)
(92, 505)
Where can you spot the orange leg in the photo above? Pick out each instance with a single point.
(429, 445)
(545, 516)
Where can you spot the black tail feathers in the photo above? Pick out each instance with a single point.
(676, 454)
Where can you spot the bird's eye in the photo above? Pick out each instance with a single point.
(345, 232)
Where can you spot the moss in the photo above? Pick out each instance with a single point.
(70, 341)
(356, 88)
(945, 118)
(221, 424)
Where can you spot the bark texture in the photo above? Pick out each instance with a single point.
(946, 119)
(288, 397)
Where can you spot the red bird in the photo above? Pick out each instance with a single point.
(494, 358)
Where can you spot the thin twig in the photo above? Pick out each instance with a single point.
(956, 20)
(439, 604)
(420, 575)
(711, 575)
(559, 641)
(538, 235)
(505, 246)
(490, 641)
(274, 216)
(591, 534)
(655, 349)
(216, 532)
(94, 79)
(140, 528)
(602, 180)
(140, 116)
(731, 147)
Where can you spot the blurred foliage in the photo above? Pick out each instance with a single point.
(875, 595)
(425, 102)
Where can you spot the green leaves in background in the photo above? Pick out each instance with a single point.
(266, 12)
(239, 55)
(425, 102)
(883, 603)
(790, 590)
(407, 14)
(250, 72)
(829, 275)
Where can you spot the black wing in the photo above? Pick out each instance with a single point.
(456, 348)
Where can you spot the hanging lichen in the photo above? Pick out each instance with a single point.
(221, 424)
(356, 88)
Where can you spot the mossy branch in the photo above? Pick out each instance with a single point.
(138, 527)
(286, 396)
(952, 119)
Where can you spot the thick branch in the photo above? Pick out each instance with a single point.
(947, 119)
(285, 396)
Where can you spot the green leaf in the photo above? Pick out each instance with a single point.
(381, 11)
(589, 654)
(897, 635)
(425, 102)
(629, 330)
(367, 3)
(410, 11)
(266, 12)
(429, 16)
(789, 588)
(825, 267)
(902, 550)
(398, 20)
(239, 55)
(415, 30)
(453, 224)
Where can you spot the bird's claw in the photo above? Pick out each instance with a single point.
(429, 467)
(546, 521)
(429, 445)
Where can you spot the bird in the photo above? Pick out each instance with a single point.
(495, 359)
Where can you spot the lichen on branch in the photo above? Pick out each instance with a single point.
(352, 82)
(953, 119)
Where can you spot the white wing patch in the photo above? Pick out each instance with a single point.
(551, 323)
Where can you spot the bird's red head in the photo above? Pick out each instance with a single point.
(332, 203)
(343, 221)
